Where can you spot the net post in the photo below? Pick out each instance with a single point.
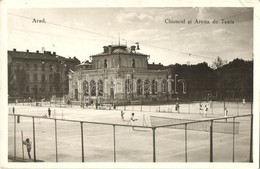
(251, 135)
(114, 138)
(14, 137)
(56, 143)
(186, 152)
(34, 146)
(211, 141)
(154, 152)
(233, 157)
(82, 142)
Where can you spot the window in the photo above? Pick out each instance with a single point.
(35, 67)
(51, 68)
(105, 63)
(147, 87)
(35, 78)
(28, 77)
(85, 88)
(100, 88)
(43, 78)
(139, 87)
(50, 88)
(58, 67)
(164, 86)
(27, 89)
(93, 88)
(154, 86)
(18, 66)
(43, 67)
(133, 63)
(27, 66)
(50, 78)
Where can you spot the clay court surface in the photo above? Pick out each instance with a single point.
(130, 146)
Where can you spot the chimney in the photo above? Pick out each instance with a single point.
(160, 63)
(153, 63)
(37, 51)
(132, 49)
(27, 50)
(109, 49)
(14, 50)
(105, 49)
(54, 53)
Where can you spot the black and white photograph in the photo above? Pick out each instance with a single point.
(132, 85)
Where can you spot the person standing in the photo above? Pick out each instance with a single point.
(132, 119)
(28, 146)
(122, 116)
(49, 112)
(205, 111)
(200, 110)
(177, 107)
(225, 113)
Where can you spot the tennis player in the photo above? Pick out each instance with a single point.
(132, 119)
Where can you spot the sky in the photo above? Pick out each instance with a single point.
(82, 32)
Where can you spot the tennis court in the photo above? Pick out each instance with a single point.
(118, 142)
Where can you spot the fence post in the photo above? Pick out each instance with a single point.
(211, 141)
(22, 143)
(186, 155)
(233, 157)
(56, 144)
(82, 142)
(34, 146)
(154, 153)
(14, 138)
(114, 133)
(237, 108)
(211, 107)
(251, 135)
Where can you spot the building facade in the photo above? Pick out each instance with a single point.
(38, 75)
(119, 74)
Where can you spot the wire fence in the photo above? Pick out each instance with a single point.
(64, 140)
(234, 108)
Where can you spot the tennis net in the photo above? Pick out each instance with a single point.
(219, 126)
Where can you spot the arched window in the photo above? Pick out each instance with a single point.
(154, 86)
(147, 87)
(133, 63)
(139, 87)
(100, 88)
(164, 86)
(105, 63)
(93, 88)
(127, 85)
(85, 88)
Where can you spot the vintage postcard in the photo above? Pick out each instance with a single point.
(101, 85)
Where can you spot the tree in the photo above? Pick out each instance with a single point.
(218, 63)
